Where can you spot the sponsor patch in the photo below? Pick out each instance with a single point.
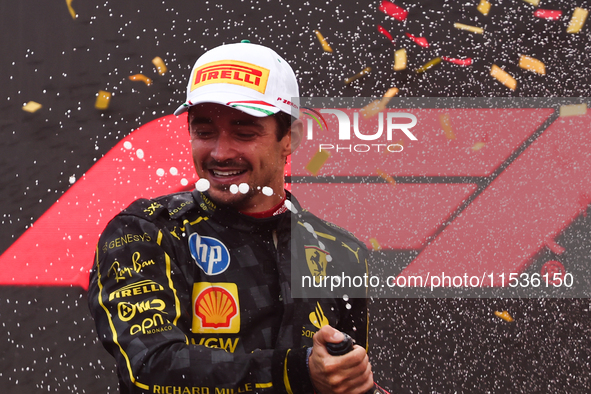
(209, 253)
(128, 310)
(216, 308)
(233, 72)
(318, 318)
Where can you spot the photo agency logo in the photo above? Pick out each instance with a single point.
(359, 130)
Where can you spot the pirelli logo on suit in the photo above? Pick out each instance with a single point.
(141, 287)
(233, 72)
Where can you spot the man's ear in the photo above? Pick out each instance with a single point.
(297, 134)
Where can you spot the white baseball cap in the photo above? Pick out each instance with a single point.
(245, 76)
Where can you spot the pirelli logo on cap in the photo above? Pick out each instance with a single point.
(216, 308)
(231, 71)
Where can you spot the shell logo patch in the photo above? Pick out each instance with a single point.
(233, 72)
(317, 263)
(216, 308)
(210, 254)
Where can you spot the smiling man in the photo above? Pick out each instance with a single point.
(231, 147)
(202, 302)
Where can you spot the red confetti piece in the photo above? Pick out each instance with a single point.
(386, 33)
(548, 14)
(460, 62)
(422, 41)
(393, 10)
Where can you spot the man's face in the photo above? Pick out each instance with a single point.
(230, 147)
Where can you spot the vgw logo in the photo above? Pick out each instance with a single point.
(209, 253)
(395, 121)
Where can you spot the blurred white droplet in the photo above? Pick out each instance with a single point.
(127, 145)
(243, 188)
(140, 153)
(72, 180)
(267, 191)
(233, 189)
(290, 206)
(160, 172)
(173, 171)
(309, 227)
(184, 182)
(345, 297)
(202, 185)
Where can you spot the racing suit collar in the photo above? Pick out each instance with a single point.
(227, 215)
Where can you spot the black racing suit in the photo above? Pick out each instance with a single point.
(193, 298)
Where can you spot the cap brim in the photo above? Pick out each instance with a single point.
(242, 103)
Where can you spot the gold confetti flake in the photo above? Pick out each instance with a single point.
(102, 100)
(160, 65)
(325, 46)
(358, 75)
(529, 63)
(573, 110)
(428, 65)
(374, 108)
(577, 20)
(483, 7)
(71, 10)
(477, 146)
(503, 77)
(375, 245)
(533, 2)
(504, 315)
(386, 177)
(377, 106)
(32, 106)
(445, 123)
(472, 29)
(317, 161)
(391, 92)
(141, 77)
(400, 60)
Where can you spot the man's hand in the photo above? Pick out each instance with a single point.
(349, 373)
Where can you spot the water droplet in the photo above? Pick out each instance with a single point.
(267, 191)
(290, 206)
(202, 185)
(233, 189)
(243, 188)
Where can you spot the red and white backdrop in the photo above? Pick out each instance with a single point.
(514, 194)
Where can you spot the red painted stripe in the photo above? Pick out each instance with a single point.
(58, 249)
(398, 217)
(531, 202)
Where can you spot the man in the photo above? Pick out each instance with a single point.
(196, 298)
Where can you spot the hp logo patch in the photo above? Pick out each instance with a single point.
(209, 253)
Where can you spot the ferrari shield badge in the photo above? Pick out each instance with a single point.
(316, 259)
